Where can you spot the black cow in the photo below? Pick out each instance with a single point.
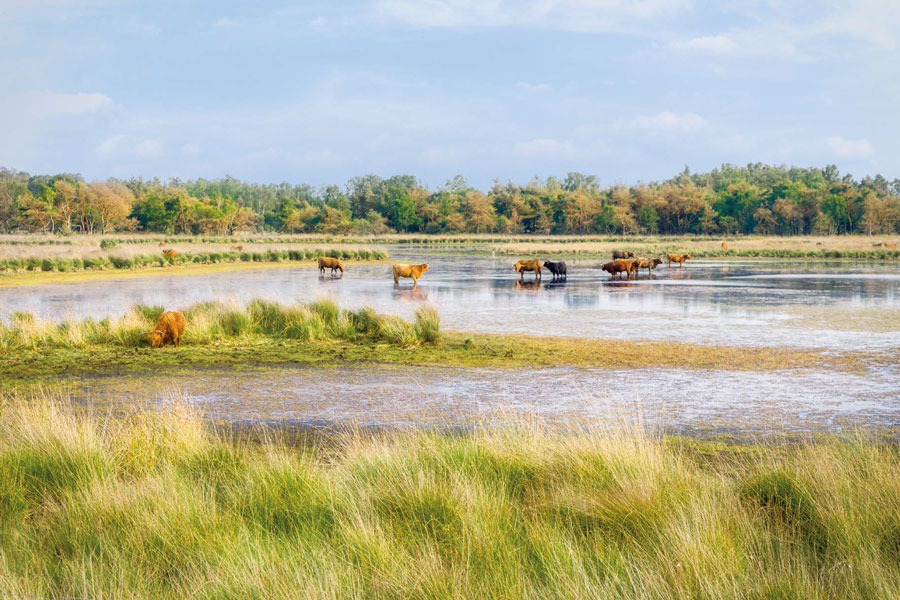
(622, 254)
(557, 268)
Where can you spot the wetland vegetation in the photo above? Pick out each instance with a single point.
(156, 504)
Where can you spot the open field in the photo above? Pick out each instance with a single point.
(155, 505)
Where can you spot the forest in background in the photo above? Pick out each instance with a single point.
(757, 198)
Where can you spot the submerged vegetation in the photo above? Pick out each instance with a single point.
(137, 261)
(757, 198)
(157, 505)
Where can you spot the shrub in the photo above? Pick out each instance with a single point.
(107, 243)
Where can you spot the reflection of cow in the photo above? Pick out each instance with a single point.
(326, 262)
(622, 254)
(528, 285)
(649, 264)
(412, 271)
(528, 264)
(677, 258)
(557, 268)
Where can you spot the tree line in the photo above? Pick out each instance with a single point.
(757, 198)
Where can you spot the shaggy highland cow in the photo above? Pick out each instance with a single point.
(169, 328)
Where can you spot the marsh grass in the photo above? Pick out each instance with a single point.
(157, 505)
(208, 322)
(197, 255)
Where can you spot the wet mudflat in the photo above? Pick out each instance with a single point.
(837, 305)
(678, 401)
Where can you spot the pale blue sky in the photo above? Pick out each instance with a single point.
(317, 92)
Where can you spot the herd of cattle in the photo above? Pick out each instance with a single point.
(170, 326)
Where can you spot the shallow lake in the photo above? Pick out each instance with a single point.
(836, 305)
(673, 400)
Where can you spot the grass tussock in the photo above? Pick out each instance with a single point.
(212, 322)
(156, 505)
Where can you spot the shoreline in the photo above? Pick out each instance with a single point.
(45, 278)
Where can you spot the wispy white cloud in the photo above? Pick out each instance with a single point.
(545, 148)
(534, 87)
(569, 15)
(666, 121)
(849, 148)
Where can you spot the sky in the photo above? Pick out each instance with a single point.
(317, 92)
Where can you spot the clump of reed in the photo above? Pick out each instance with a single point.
(210, 321)
(157, 505)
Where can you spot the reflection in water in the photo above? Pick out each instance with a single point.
(752, 303)
(414, 293)
(676, 400)
(534, 286)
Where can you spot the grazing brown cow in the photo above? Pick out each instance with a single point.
(724, 245)
(622, 254)
(649, 264)
(412, 271)
(619, 266)
(326, 262)
(169, 328)
(890, 244)
(162, 243)
(170, 253)
(528, 264)
(239, 247)
(677, 258)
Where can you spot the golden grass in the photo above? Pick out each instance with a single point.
(155, 505)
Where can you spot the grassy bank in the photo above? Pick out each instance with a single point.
(156, 506)
(138, 261)
(266, 333)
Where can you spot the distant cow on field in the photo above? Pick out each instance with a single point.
(239, 247)
(326, 262)
(622, 254)
(724, 245)
(170, 253)
(528, 264)
(411, 271)
(557, 268)
(169, 328)
(677, 258)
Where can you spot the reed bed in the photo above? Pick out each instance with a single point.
(139, 261)
(208, 322)
(158, 505)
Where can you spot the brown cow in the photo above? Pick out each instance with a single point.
(890, 244)
(622, 254)
(239, 247)
(326, 262)
(677, 258)
(162, 243)
(619, 266)
(170, 253)
(528, 264)
(649, 264)
(412, 271)
(169, 328)
(724, 245)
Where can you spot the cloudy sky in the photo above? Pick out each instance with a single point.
(320, 91)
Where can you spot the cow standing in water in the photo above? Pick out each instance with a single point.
(411, 271)
(326, 262)
(528, 264)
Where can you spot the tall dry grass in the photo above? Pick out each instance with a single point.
(154, 505)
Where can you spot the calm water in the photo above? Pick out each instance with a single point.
(734, 302)
(698, 402)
